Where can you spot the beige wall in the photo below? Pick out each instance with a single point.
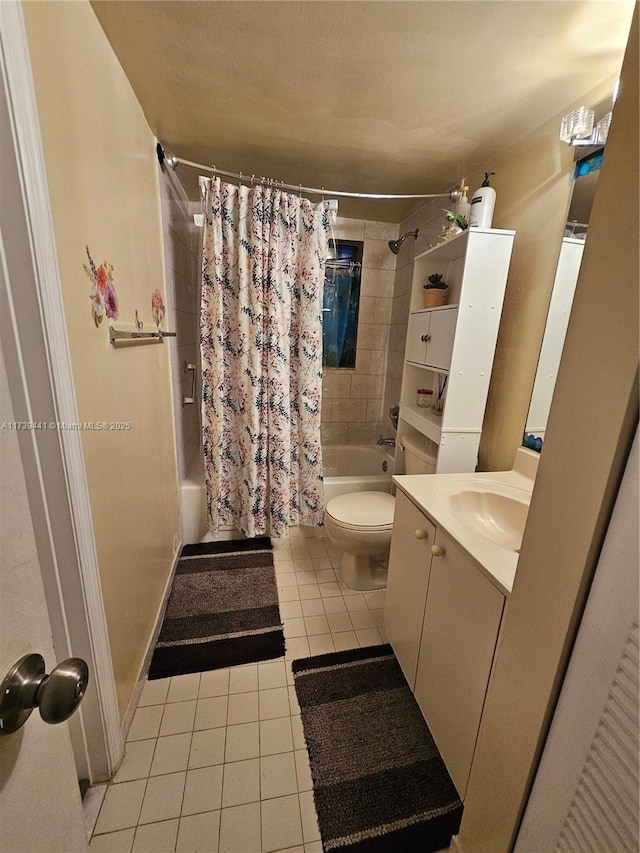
(584, 455)
(101, 168)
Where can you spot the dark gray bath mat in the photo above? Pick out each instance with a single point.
(222, 609)
(379, 783)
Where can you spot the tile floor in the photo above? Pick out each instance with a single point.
(216, 762)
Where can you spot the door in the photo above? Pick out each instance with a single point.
(461, 624)
(417, 336)
(409, 564)
(40, 385)
(40, 807)
(442, 333)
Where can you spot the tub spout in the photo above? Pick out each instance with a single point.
(386, 442)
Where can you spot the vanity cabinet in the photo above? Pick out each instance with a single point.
(442, 617)
(451, 349)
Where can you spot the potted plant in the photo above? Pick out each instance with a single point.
(435, 291)
(456, 223)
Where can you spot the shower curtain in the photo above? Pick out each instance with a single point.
(261, 345)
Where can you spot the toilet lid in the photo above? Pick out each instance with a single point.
(362, 509)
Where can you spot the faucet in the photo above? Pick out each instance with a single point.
(387, 442)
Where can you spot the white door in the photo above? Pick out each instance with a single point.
(40, 807)
(40, 385)
(585, 794)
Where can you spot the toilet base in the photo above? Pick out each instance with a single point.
(358, 571)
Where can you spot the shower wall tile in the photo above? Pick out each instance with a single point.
(377, 255)
(349, 229)
(181, 244)
(335, 433)
(377, 282)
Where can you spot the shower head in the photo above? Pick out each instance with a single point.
(394, 245)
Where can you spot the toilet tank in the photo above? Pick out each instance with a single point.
(419, 455)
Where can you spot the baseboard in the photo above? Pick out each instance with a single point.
(146, 662)
(456, 846)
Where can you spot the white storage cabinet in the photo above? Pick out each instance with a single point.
(455, 343)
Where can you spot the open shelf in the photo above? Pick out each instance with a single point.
(424, 420)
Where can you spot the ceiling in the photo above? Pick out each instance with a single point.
(359, 95)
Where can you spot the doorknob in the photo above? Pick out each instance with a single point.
(26, 686)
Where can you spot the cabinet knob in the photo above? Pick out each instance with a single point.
(425, 338)
(437, 550)
(421, 534)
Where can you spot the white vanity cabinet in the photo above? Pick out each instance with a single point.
(442, 617)
(455, 343)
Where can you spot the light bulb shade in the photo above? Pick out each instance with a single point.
(577, 124)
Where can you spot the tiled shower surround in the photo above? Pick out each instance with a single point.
(352, 399)
(355, 403)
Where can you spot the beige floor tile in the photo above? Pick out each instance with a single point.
(334, 605)
(240, 829)
(275, 736)
(339, 622)
(241, 782)
(138, 755)
(154, 692)
(243, 679)
(214, 683)
(203, 790)
(321, 562)
(178, 717)
(326, 575)
(316, 625)
(207, 748)
(199, 833)
(355, 601)
(278, 775)
(294, 706)
(274, 703)
(289, 593)
(375, 599)
(369, 637)
(330, 590)
(272, 674)
(286, 579)
(345, 640)
(362, 619)
(121, 806)
(146, 723)
(113, 842)
(290, 609)
(243, 708)
(311, 590)
(184, 687)
(171, 755)
(281, 823)
(297, 647)
(156, 837)
(211, 713)
(310, 829)
(303, 770)
(294, 628)
(163, 798)
(321, 645)
(298, 733)
(313, 607)
(242, 742)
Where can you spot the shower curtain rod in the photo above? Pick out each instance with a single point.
(452, 194)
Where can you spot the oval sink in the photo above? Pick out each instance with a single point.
(497, 517)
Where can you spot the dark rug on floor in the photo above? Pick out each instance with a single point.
(222, 609)
(379, 782)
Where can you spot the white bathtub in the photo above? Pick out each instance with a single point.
(347, 468)
(356, 468)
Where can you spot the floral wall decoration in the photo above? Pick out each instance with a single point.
(157, 308)
(103, 296)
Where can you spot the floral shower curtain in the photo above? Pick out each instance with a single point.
(261, 344)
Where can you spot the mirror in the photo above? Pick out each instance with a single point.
(564, 285)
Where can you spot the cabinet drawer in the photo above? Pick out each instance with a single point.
(461, 625)
(407, 582)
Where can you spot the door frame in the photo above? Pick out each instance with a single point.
(36, 347)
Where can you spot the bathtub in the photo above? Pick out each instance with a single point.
(347, 468)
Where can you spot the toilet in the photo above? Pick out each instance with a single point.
(360, 523)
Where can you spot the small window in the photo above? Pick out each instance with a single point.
(340, 303)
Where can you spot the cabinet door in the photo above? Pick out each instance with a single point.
(417, 336)
(442, 332)
(461, 624)
(407, 582)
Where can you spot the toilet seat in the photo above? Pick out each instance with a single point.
(362, 511)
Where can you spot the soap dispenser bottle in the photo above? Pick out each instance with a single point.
(463, 207)
(482, 203)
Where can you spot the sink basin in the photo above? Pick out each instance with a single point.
(495, 511)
